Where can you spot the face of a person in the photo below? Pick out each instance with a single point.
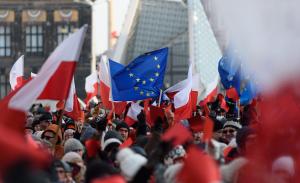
(197, 137)
(61, 174)
(50, 136)
(217, 135)
(228, 133)
(124, 133)
(37, 127)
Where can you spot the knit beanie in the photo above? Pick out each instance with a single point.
(111, 137)
(130, 163)
(72, 157)
(232, 124)
(122, 125)
(88, 133)
(72, 145)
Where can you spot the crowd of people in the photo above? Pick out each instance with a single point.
(100, 148)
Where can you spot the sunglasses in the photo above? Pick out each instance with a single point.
(228, 131)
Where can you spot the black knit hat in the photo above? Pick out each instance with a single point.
(113, 134)
(122, 125)
(46, 116)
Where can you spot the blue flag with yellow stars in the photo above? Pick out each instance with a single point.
(142, 78)
(232, 77)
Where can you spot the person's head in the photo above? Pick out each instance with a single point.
(229, 130)
(45, 120)
(60, 171)
(176, 155)
(69, 133)
(112, 141)
(217, 131)
(36, 125)
(73, 145)
(284, 168)
(77, 165)
(52, 134)
(123, 129)
(98, 169)
(245, 139)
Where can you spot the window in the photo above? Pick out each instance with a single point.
(4, 84)
(63, 31)
(5, 41)
(34, 40)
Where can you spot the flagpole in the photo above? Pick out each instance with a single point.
(239, 110)
(159, 100)
(113, 108)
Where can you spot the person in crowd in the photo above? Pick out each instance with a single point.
(45, 120)
(73, 145)
(54, 136)
(229, 130)
(77, 165)
(123, 129)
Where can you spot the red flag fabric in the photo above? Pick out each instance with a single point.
(156, 112)
(177, 134)
(132, 113)
(76, 113)
(92, 87)
(197, 123)
(208, 129)
(232, 93)
(199, 167)
(223, 103)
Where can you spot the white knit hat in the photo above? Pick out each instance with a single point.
(130, 163)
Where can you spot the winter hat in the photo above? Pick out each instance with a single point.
(177, 152)
(55, 129)
(232, 124)
(72, 157)
(88, 133)
(46, 116)
(111, 137)
(122, 125)
(72, 145)
(171, 173)
(130, 163)
(69, 132)
(284, 163)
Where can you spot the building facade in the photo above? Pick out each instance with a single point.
(34, 28)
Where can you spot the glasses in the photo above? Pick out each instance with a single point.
(228, 131)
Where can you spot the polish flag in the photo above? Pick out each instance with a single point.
(15, 106)
(210, 92)
(132, 113)
(104, 84)
(16, 73)
(32, 75)
(72, 107)
(91, 87)
(185, 99)
(55, 77)
(117, 107)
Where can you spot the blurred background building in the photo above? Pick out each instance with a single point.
(35, 28)
(121, 30)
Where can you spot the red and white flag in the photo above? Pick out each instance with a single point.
(185, 95)
(105, 84)
(91, 87)
(210, 92)
(132, 113)
(16, 73)
(13, 108)
(72, 107)
(55, 77)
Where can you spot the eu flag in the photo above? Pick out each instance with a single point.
(142, 78)
(231, 77)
